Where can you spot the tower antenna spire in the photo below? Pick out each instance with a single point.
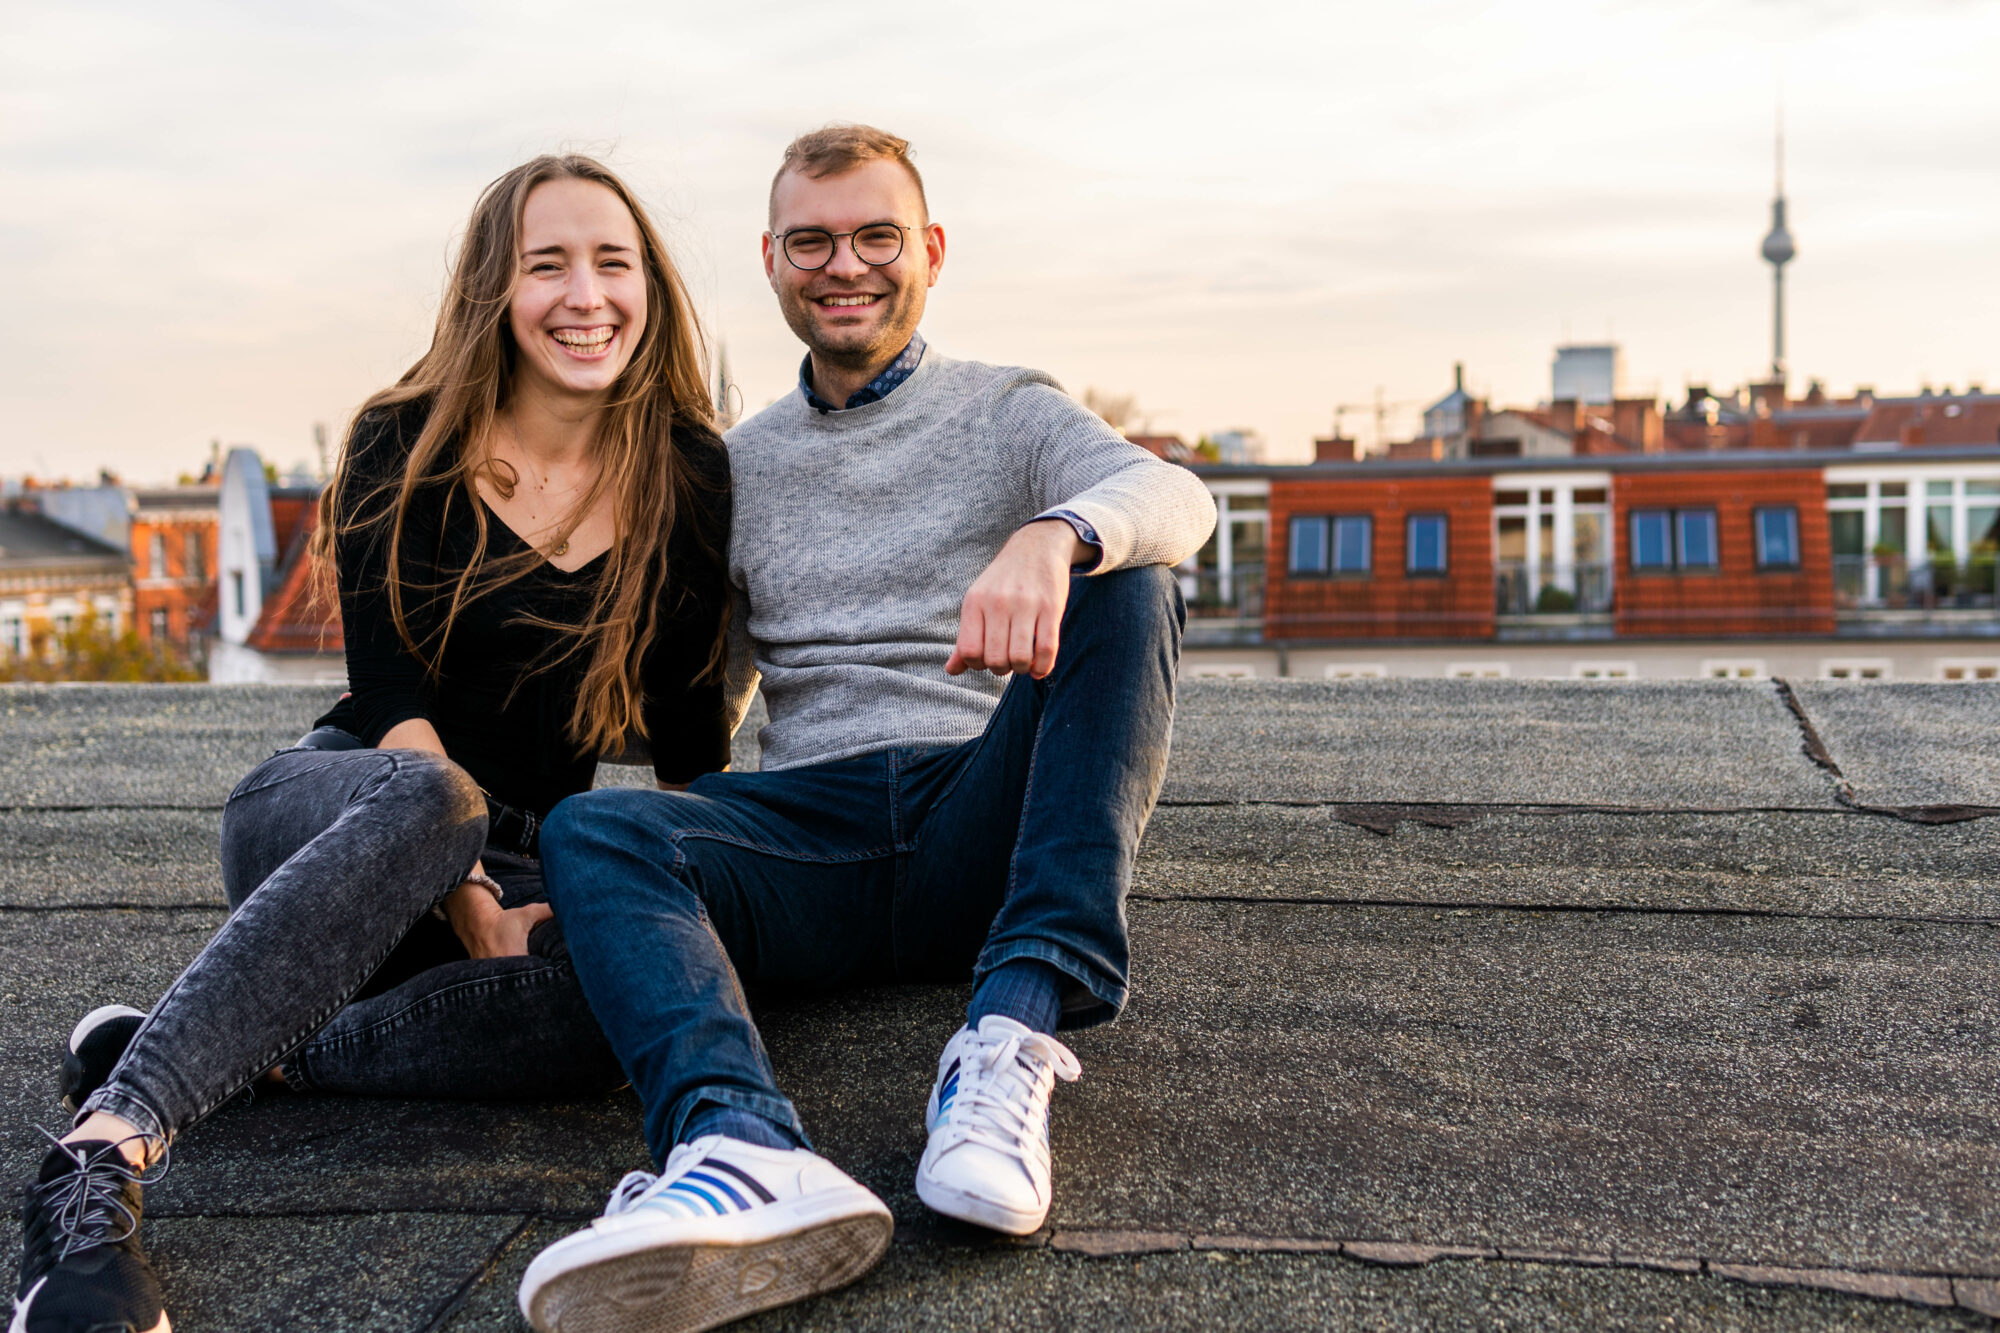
(1778, 252)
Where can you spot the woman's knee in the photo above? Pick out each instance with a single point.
(428, 791)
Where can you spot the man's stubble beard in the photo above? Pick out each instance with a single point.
(800, 313)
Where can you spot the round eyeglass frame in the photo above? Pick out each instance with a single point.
(834, 239)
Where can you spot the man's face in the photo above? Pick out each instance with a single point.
(850, 312)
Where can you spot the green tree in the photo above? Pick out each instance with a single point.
(88, 650)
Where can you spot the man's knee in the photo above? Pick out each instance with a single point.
(586, 828)
(1134, 601)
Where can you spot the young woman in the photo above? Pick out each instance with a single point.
(527, 535)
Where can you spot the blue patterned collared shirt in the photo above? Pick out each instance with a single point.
(892, 376)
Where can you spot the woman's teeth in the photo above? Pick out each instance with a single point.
(583, 340)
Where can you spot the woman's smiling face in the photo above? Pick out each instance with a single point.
(579, 303)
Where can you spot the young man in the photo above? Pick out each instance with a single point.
(953, 582)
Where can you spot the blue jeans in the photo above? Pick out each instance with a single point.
(332, 856)
(929, 865)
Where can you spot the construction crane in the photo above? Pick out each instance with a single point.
(1381, 408)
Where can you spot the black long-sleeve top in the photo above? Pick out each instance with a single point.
(507, 727)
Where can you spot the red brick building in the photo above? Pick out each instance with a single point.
(1402, 557)
(173, 564)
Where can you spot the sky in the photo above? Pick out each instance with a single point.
(232, 221)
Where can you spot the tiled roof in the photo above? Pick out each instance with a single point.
(302, 616)
(27, 536)
(1929, 421)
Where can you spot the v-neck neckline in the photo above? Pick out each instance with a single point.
(519, 540)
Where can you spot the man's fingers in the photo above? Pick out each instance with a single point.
(1045, 647)
(971, 648)
(1021, 642)
(997, 631)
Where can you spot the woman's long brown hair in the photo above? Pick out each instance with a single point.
(466, 375)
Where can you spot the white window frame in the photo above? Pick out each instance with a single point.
(1604, 669)
(1356, 671)
(1220, 670)
(1560, 564)
(1857, 668)
(1478, 670)
(1968, 669)
(1916, 508)
(1734, 668)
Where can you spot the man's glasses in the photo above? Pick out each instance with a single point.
(811, 248)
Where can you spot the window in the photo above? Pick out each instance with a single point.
(1777, 537)
(1664, 539)
(12, 641)
(1694, 530)
(1351, 543)
(156, 556)
(1968, 668)
(236, 591)
(157, 623)
(1733, 668)
(193, 565)
(1337, 545)
(1478, 671)
(1309, 546)
(1856, 668)
(1652, 539)
(1426, 544)
(1604, 671)
(1356, 671)
(1219, 671)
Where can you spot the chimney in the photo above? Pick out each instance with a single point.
(1333, 449)
(1458, 376)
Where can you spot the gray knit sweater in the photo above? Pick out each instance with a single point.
(856, 535)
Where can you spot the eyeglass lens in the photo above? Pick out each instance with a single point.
(811, 248)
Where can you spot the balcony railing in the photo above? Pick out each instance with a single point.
(1891, 583)
(1210, 596)
(1587, 593)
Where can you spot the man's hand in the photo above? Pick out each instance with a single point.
(1013, 614)
(488, 930)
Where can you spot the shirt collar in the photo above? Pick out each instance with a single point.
(892, 376)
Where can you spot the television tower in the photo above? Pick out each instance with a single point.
(1778, 252)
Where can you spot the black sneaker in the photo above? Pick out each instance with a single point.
(95, 1048)
(82, 1270)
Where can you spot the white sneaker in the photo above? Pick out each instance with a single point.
(729, 1228)
(988, 1158)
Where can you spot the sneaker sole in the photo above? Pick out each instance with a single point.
(22, 1309)
(980, 1212)
(694, 1286)
(69, 1081)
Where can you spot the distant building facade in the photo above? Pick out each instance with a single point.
(52, 577)
(1843, 539)
(270, 625)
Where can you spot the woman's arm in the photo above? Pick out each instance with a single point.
(487, 929)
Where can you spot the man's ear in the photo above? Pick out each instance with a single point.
(934, 250)
(770, 260)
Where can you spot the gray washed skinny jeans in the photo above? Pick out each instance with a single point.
(331, 962)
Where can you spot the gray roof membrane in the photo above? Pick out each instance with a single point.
(1464, 1004)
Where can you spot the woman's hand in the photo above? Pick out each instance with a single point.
(488, 930)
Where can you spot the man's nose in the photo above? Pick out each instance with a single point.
(845, 263)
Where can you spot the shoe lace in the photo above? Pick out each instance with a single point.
(627, 1191)
(1001, 1102)
(87, 1202)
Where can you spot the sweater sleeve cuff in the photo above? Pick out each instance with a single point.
(1085, 533)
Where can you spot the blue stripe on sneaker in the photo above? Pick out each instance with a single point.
(683, 1187)
(755, 1187)
(723, 1185)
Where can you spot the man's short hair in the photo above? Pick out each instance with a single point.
(839, 147)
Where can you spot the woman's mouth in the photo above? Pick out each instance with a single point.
(585, 344)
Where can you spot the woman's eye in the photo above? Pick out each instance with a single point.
(542, 268)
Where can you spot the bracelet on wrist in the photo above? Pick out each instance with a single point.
(484, 881)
